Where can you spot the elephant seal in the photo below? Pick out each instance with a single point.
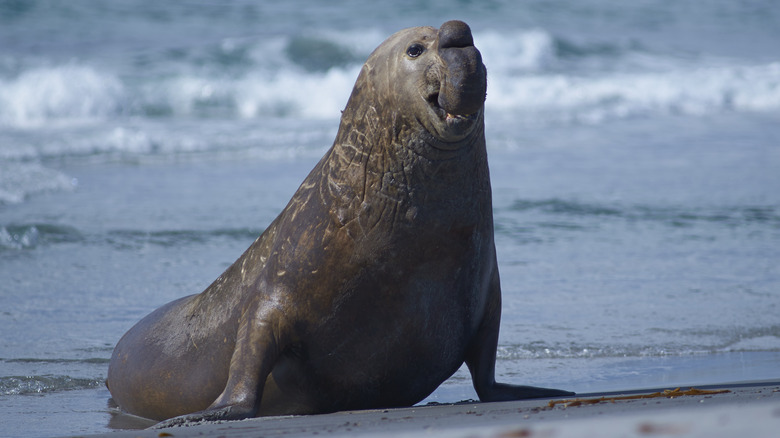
(374, 284)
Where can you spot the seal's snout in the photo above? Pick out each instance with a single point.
(455, 34)
(464, 81)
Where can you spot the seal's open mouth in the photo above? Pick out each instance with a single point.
(450, 120)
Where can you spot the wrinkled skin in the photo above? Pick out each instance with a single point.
(374, 284)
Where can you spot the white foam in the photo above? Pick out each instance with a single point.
(274, 92)
(521, 52)
(70, 92)
(528, 80)
(19, 180)
(293, 93)
(595, 99)
(758, 343)
(27, 239)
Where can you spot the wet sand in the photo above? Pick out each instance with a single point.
(745, 409)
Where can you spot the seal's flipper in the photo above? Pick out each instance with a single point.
(226, 413)
(481, 357)
(257, 349)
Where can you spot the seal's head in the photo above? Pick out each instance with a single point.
(424, 80)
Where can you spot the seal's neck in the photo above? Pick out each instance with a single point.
(385, 169)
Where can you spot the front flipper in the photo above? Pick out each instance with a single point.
(481, 357)
(218, 414)
(258, 346)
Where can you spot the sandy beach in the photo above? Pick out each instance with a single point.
(744, 409)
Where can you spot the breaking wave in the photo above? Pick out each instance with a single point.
(533, 75)
(66, 93)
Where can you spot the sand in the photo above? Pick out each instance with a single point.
(746, 410)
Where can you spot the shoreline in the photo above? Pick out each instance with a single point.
(748, 409)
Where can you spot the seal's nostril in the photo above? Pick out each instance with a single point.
(455, 34)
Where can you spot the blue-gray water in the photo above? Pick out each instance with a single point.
(635, 163)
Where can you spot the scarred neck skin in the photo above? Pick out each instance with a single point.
(385, 166)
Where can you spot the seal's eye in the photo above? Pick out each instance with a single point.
(415, 50)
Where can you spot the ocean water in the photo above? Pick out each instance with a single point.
(635, 165)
